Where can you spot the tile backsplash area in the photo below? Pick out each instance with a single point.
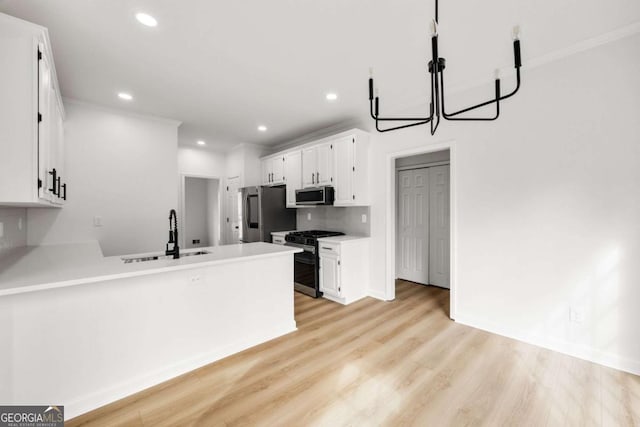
(347, 220)
(13, 231)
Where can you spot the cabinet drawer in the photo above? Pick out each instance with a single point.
(329, 248)
(278, 240)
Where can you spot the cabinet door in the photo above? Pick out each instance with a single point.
(267, 167)
(309, 167)
(56, 149)
(293, 175)
(277, 170)
(45, 172)
(330, 275)
(344, 174)
(325, 160)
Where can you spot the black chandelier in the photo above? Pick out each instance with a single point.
(437, 109)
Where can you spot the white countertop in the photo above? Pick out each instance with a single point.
(340, 239)
(281, 233)
(34, 268)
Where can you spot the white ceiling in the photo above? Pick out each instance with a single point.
(224, 67)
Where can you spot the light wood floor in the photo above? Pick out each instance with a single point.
(375, 363)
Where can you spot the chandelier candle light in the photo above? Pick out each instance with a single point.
(437, 109)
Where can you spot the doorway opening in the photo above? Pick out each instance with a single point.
(420, 232)
(422, 222)
(200, 211)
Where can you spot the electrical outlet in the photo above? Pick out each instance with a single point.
(364, 218)
(97, 221)
(309, 216)
(195, 279)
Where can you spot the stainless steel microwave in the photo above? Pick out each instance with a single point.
(315, 196)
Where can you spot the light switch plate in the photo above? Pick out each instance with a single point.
(20, 224)
(1, 229)
(97, 221)
(309, 216)
(364, 218)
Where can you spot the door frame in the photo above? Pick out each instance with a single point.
(183, 217)
(391, 226)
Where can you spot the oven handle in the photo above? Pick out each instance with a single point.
(303, 259)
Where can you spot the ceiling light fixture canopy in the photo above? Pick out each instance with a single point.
(437, 109)
(125, 96)
(262, 128)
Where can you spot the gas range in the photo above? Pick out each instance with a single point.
(306, 264)
(309, 237)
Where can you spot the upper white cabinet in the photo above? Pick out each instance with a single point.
(273, 170)
(293, 175)
(340, 161)
(31, 118)
(352, 170)
(318, 163)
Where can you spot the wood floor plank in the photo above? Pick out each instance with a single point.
(376, 363)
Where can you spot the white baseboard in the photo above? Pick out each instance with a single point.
(377, 295)
(579, 351)
(119, 391)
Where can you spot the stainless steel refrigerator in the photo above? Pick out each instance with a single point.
(264, 210)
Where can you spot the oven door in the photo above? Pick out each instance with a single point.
(304, 273)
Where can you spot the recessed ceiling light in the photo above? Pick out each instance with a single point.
(262, 128)
(332, 96)
(125, 96)
(201, 142)
(147, 20)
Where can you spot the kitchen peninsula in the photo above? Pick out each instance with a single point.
(87, 330)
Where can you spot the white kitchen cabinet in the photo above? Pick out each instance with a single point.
(344, 268)
(318, 165)
(351, 177)
(330, 275)
(31, 118)
(273, 170)
(278, 237)
(293, 175)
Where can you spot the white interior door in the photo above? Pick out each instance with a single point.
(232, 221)
(439, 224)
(413, 226)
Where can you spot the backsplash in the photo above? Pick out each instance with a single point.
(14, 228)
(347, 220)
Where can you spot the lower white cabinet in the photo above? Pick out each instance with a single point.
(344, 268)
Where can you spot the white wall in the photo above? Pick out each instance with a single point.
(120, 167)
(196, 221)
(193, 161)
(213, 211)
(14, 228)
(548, 207)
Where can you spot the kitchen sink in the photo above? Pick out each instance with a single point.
(161, 257)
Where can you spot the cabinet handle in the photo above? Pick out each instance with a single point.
(324, 247)
(59, 184)
(54, 174)
(318, 177)
(64, 191)
(313, 178)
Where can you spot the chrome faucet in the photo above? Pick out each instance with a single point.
(173, 235)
